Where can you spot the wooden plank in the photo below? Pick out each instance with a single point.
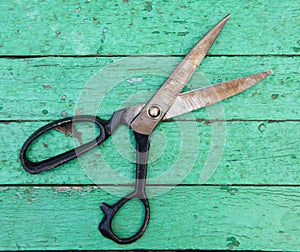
(47, 88)
(237, 152)
(214, 217)
(156, 27)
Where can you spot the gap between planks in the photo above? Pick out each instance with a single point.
(149, 185)
(206, 121)
(138, 55)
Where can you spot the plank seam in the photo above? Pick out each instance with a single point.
(139, 55)
(150, 185)
(206, 121)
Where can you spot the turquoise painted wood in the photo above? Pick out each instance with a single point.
(224, 177)
(245, 153)
(147, 27)
(194, 217)
(51, 86)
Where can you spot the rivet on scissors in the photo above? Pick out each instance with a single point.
(154, 111)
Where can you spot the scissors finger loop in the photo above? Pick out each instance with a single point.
(109, 212)
(50, 163)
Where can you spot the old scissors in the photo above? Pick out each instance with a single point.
(166, 103)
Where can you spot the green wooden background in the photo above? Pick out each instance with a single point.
(236, 162)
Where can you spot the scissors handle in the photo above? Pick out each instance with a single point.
(142, 149)
(50, 163)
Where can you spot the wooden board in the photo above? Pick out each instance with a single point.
(220, 154)
(197, 217)
(223, 177)
(147, 27)
(47, 87)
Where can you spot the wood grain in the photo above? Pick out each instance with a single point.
(258, 218)
(152, 27)
(47, 88)
(221, 153)
(52, 58)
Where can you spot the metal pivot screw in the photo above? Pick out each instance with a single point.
(154, 111)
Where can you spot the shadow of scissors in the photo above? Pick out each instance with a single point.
(166, 103)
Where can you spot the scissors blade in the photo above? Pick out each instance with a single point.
(202, 97)
(160, 103)
(196, 99)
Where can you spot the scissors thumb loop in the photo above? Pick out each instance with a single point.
(105, 226)
(50, 163)
(142, 148)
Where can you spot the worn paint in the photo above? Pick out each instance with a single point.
(258, 27)
(262, 124)
(257, 162)
(208, 219)
(253, 104)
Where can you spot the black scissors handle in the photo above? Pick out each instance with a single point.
(142, 149)
(106, 129)
(50, 163)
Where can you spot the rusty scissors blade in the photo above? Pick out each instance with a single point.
(166, 103)
(198, 98)
(203, 97)
(166, 95)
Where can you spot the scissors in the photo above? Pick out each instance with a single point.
(166, 103)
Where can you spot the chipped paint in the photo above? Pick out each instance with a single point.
(72, 189)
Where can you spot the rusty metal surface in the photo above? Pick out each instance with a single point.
(198, 98)
(166, 95)
(206, 96)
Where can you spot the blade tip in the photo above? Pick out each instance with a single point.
(269, 72)
(226, 17)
